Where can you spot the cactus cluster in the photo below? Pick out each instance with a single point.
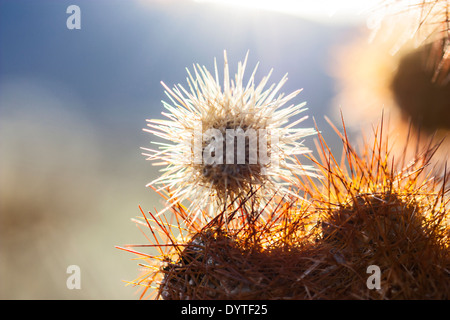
(252, 231)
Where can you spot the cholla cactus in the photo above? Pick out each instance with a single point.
(371, 209)
(379, 210)
(367, 211)
(225, 141)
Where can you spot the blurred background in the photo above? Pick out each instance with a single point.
(73, 104)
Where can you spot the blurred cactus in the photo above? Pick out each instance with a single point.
(403, 73)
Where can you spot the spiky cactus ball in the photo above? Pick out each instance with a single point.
(392, 234)
(247, 259)
(227, 139)
(380, 211)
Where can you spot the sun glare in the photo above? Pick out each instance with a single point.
(348, 11)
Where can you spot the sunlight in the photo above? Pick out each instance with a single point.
(348, 11)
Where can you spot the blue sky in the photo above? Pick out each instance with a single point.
(124, 49)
